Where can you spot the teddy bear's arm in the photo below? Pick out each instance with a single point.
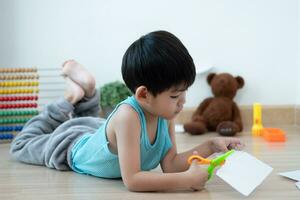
(237, 116)
(201, 107)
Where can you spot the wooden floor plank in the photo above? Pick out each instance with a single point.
(22, 181)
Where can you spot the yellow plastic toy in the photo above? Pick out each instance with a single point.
(269, 134)
(257, 128)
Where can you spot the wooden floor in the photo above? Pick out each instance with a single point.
(21, 181)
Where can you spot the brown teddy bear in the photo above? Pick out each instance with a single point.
(219, 113)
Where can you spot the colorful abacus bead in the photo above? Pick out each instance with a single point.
(18, 105)
(19, 77)
(16, 84)
(6, 136)
(16, 91)
(14, 70)
(10, 128)
(18, 112)
(14, 120)
(19, 98)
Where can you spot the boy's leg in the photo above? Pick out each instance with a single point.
(33, 144)
(30, 144)
(77, 73)
(89, 105)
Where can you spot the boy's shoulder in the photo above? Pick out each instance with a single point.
(125, 112)
(124, 118)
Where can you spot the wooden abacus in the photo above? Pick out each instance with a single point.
(19, 96)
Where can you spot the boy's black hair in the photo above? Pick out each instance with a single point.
(158, 61)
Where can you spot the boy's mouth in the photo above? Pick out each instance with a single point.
(176, 112)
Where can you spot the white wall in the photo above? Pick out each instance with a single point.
(255, 39)
(298, 51)
(7, 34)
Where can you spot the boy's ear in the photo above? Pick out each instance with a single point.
(141, 93)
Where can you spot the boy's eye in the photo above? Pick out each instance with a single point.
(174, 97)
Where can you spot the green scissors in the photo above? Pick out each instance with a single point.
(220, 160)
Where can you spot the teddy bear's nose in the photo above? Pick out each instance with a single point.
(222, 81)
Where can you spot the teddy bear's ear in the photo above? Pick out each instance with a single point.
(210, 77)
(240, 81)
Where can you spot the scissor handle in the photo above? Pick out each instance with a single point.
(212, 163)
(200, 160)
(218, 161)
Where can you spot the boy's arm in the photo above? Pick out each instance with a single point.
(177, 162)
(127, 129)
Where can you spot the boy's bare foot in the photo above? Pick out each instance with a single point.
(77, 73)
(73, 92)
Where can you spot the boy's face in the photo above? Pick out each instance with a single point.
(168, 103)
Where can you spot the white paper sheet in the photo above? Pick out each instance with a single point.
(244, 172)
(298, 185)
(179, 128)
(295, 175)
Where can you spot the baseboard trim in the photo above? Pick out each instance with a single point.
(271, 115)
(297, 115)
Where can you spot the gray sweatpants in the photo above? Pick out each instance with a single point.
(47, 138)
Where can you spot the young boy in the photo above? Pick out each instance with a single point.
(138, 135)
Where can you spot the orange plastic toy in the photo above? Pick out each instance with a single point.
(274, 135)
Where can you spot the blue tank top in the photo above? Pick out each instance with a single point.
(91, 154)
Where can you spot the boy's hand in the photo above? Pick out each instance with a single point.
(223, 144)
(197, 175)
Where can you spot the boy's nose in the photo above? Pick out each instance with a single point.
(182, 100)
